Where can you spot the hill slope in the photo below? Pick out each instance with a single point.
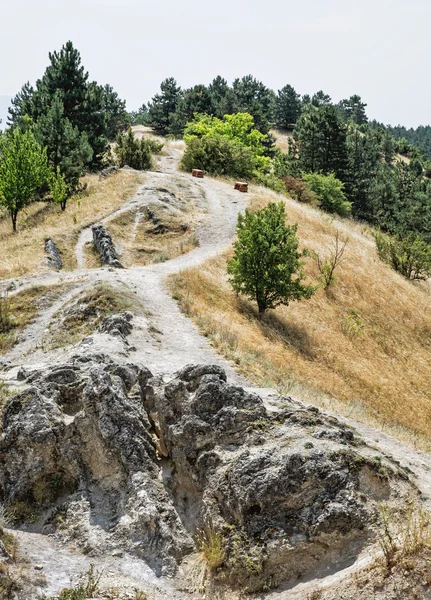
(364, 342)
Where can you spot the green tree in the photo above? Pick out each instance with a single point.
(321, 99)
(67, 148)
(194, 100)
(163, 106)
(116, 116)
(266, 263)
(253, 97)
(140, 116)
(23, 104)
(330, 192)
(133, 152)
(410, 255)
(220, 156)
(320, 139)
(222, 97)
(353, 109)
(287, 107)
(58, 188)
(23, 170)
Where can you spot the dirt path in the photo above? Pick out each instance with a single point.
(173, 342)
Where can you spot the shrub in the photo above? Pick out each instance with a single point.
(135, 153)
(300, 191)
(265, 265)
(219, 156)
(328, 265)
(410, 256)
(211, 543)
(330, 193)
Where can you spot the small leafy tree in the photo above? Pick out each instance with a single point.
(135, 153)
(23, 170)
(330, 193)
(219, 156)
(58, 188)
(266, 263)
(410, 256)
(328, 265)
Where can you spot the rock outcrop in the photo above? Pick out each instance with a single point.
(105, 247)
(133, 463)
(53, 260)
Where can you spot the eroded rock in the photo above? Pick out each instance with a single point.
(138, 465)
(105, 247)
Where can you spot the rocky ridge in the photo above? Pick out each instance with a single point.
(113, 459)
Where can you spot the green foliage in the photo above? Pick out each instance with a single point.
(410, 255)
(353, 109)
(330, 192)
(253, 97)
(116, 116)
(140, 116)
(231, 146)
(212, 544)
(265, 265)
(320, 138)
(23, 170)
(287, 107)
(327, 266)
(87, 588)
(67, 148)
(162, 107)
(299, 190)
(133, 152)
(219, 156)
(58, 188)
(95, 111)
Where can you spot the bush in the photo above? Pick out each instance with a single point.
(265, 265)
(219, 156)
(330, 193)
(300, 191)
(410, 256)
(135, 153)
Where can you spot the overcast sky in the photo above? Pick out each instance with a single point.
(379, 49)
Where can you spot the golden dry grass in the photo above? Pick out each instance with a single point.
(363, 346)
(140, 245)
(281, 139)
(22, 308)
(23, 253)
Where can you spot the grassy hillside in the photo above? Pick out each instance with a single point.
(23, 252)
(362, 347)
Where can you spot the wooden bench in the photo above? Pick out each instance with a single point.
(197, 173)
(241, 186)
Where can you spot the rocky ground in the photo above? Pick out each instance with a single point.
(140, 451)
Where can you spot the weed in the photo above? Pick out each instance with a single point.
(211, 543)
(352, 324)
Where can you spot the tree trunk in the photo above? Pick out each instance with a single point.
(63, 204)
(14, 215)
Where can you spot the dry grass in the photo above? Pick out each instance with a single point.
(22, 309)
(363, 347)
(140, 245)
(281, 139)
(85, 312)
(24, 252)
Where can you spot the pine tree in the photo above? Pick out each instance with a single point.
(163, 106)
(116, 116)
(222, 97)
(196, 100)
(253, 97)
(23, 104)
(353, 109)
(67, 148)
(287, 107)
(321, 141)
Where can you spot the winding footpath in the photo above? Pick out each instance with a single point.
(176, 343)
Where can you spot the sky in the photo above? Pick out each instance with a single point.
(379, 49)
